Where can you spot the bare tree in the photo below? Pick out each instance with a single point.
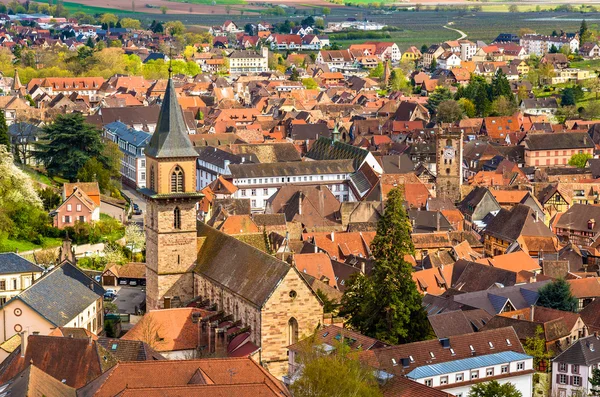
(150, 332)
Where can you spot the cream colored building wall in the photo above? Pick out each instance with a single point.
(28, 320)
(22, 280)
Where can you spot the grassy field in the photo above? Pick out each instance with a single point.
(592, 64)
(92, 10)
(22, 246)
(211, 2)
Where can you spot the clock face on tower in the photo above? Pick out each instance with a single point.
(449, 153)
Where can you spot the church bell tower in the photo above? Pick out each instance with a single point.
(171, 199)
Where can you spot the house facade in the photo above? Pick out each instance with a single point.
(131, 143)
(555, 149)
(249, 61)
(77, 207)
(572, 369)
(16, 274)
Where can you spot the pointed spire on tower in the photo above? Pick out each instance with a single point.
(170, 138)
(66, 251)
(16, 85)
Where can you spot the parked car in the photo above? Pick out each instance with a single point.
(136, 209)
(123, 282)
(98, 279)
(109, 295)
(133, 283)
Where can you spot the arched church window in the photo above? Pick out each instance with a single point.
(177, 180)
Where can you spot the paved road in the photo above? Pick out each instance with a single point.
(128, 298)
(137, 199)
(463, 35)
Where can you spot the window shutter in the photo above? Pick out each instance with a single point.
(558, 379)
(570, 380)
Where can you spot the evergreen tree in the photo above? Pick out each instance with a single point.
(439, 95)
(90, 43)
(4, 137)
(386, 305)
(567, 98)
(553, 49)
(583, 29)
(433, 65)
(557, 295)
(595, 382)
(71, 143)
(501, 87)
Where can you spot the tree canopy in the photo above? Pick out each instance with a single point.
(338, 374)
(4, 137)
(386, 304)
(579, 160)
(71, 143)
(557, 295)
(494, 389)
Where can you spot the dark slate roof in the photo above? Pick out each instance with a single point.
(24, 130)
(245, 54)
(238, 267)
(170, 139)
(291, 168)
(132, 136)
(11, 263)
(577, 217)
(471, 276)
(427, 221)
(129, 350)
(397, 164)
(458, 322)
(216, 156)
(567, 140)
(327, 149)
(301, 132)
(62, 294)
(537, 103)
(594, 167)
(472, 200)
(520, 220)
(586, 351)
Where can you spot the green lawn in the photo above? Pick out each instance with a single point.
(93, 10)
(20, 245)
(38, 176)
(592, 64)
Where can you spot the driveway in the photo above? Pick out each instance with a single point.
(128, 298)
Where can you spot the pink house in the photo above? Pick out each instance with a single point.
(80, 204)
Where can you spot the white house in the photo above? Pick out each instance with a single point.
(448, 60)
(540, 44)
(572, 368)
(259, 182)
(456, 363)
(131, 142)
(16, 274)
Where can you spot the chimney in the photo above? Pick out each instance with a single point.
(300, 204)
(362, 267)
(532, 313)
(332, 236)
(437, 219)
(23, 343)
(591, 224)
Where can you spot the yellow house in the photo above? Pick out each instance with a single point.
(412, 53)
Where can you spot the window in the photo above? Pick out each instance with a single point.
(2, 285)
(67, 219)
(177, 180)
(489, 372)
(562, 379)
(142, 176)
(177, 218)
(520, 366)
(243, 192)
(491, 345)
(474, 374)
(253, 203)
(575, 368)
(444, 380)
(78, 207)
(577, 381)
(428, 382)
(82, 219)
(504, 369)
(69, 207)
(265, 192)
(253, 192)
(292, 331)
(152, 179)
(143, 163)
(459, 378)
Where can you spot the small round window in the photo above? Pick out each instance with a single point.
(18, 312)
(18, 328)
(293, 294)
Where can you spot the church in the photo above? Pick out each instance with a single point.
(188, 261)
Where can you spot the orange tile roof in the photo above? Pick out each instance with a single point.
(161, 375)
(317, 265)
(585, 287)
(434, 281)
(238, 224)
(416, 194)
(509, 196)
(173, 328)
(90, 188)
(339, 245)
(515, 262)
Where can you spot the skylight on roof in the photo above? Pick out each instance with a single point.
(114, 346)
(508, 342)
(491, 345)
